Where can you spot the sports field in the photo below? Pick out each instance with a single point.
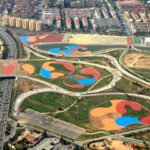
(137, 41)
(86, 39)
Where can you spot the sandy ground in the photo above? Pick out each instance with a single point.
(104, 117)
(94, 39)
(28, 68)
(114, 145)
(137, 60)
(25, 85)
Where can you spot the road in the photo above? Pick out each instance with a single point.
(114, 136)
(7, 86)
(117, 73)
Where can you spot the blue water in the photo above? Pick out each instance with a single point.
(86, 81)
(44, 73)
(24, 39)
(66, 52)
(124, 121)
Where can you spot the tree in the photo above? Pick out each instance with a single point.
(44, 134)
(63, 141)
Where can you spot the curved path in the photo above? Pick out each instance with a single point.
(25, 95)
(117, 74)
(113, 60)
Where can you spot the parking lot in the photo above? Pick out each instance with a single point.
(46, 122)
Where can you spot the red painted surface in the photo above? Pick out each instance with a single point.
(91, 71)
(84, 48)
(66, 65)
(49, 38)
(74, 86)
(146, 120)
(121, 106)
(9, 69)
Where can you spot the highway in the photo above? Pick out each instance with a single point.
(7, 86)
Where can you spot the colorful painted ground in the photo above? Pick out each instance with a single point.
(45, 38)
(71, 50)
(54, 70)
(48, 71)
(114, 117)
(81, 81)
(16, 69)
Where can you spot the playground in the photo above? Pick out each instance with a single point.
(116, 116)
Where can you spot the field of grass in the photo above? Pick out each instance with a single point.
(143, 48)
(143, 72)
(90, 47)
(47, 102)
(128, 86)
(79, 113)
(61, 68)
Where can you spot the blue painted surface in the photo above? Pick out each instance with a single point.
(24, 39)
(66, 52)
(70, 78)
(44, 73)
(124, 121)
(86, 81)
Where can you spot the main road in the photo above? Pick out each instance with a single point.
(7, 86)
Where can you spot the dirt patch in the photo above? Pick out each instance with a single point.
(26, 85)
(87, 39)
(137, 60)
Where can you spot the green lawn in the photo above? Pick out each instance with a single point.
(47, 102)
(90, 47)
(143, 48)
(143, 72)
(79, 113)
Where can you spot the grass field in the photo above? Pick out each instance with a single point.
(90, 48)
(47, 102)
(143, 72)
(143, 48)
(61, 68)
(79, 113)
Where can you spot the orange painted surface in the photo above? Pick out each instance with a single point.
(56, 75)
(32, 38)
(43, 36)
(84, 53)
(109, 124)
(101, 111)
(28, 68)
(47, 66)
(104, 117)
